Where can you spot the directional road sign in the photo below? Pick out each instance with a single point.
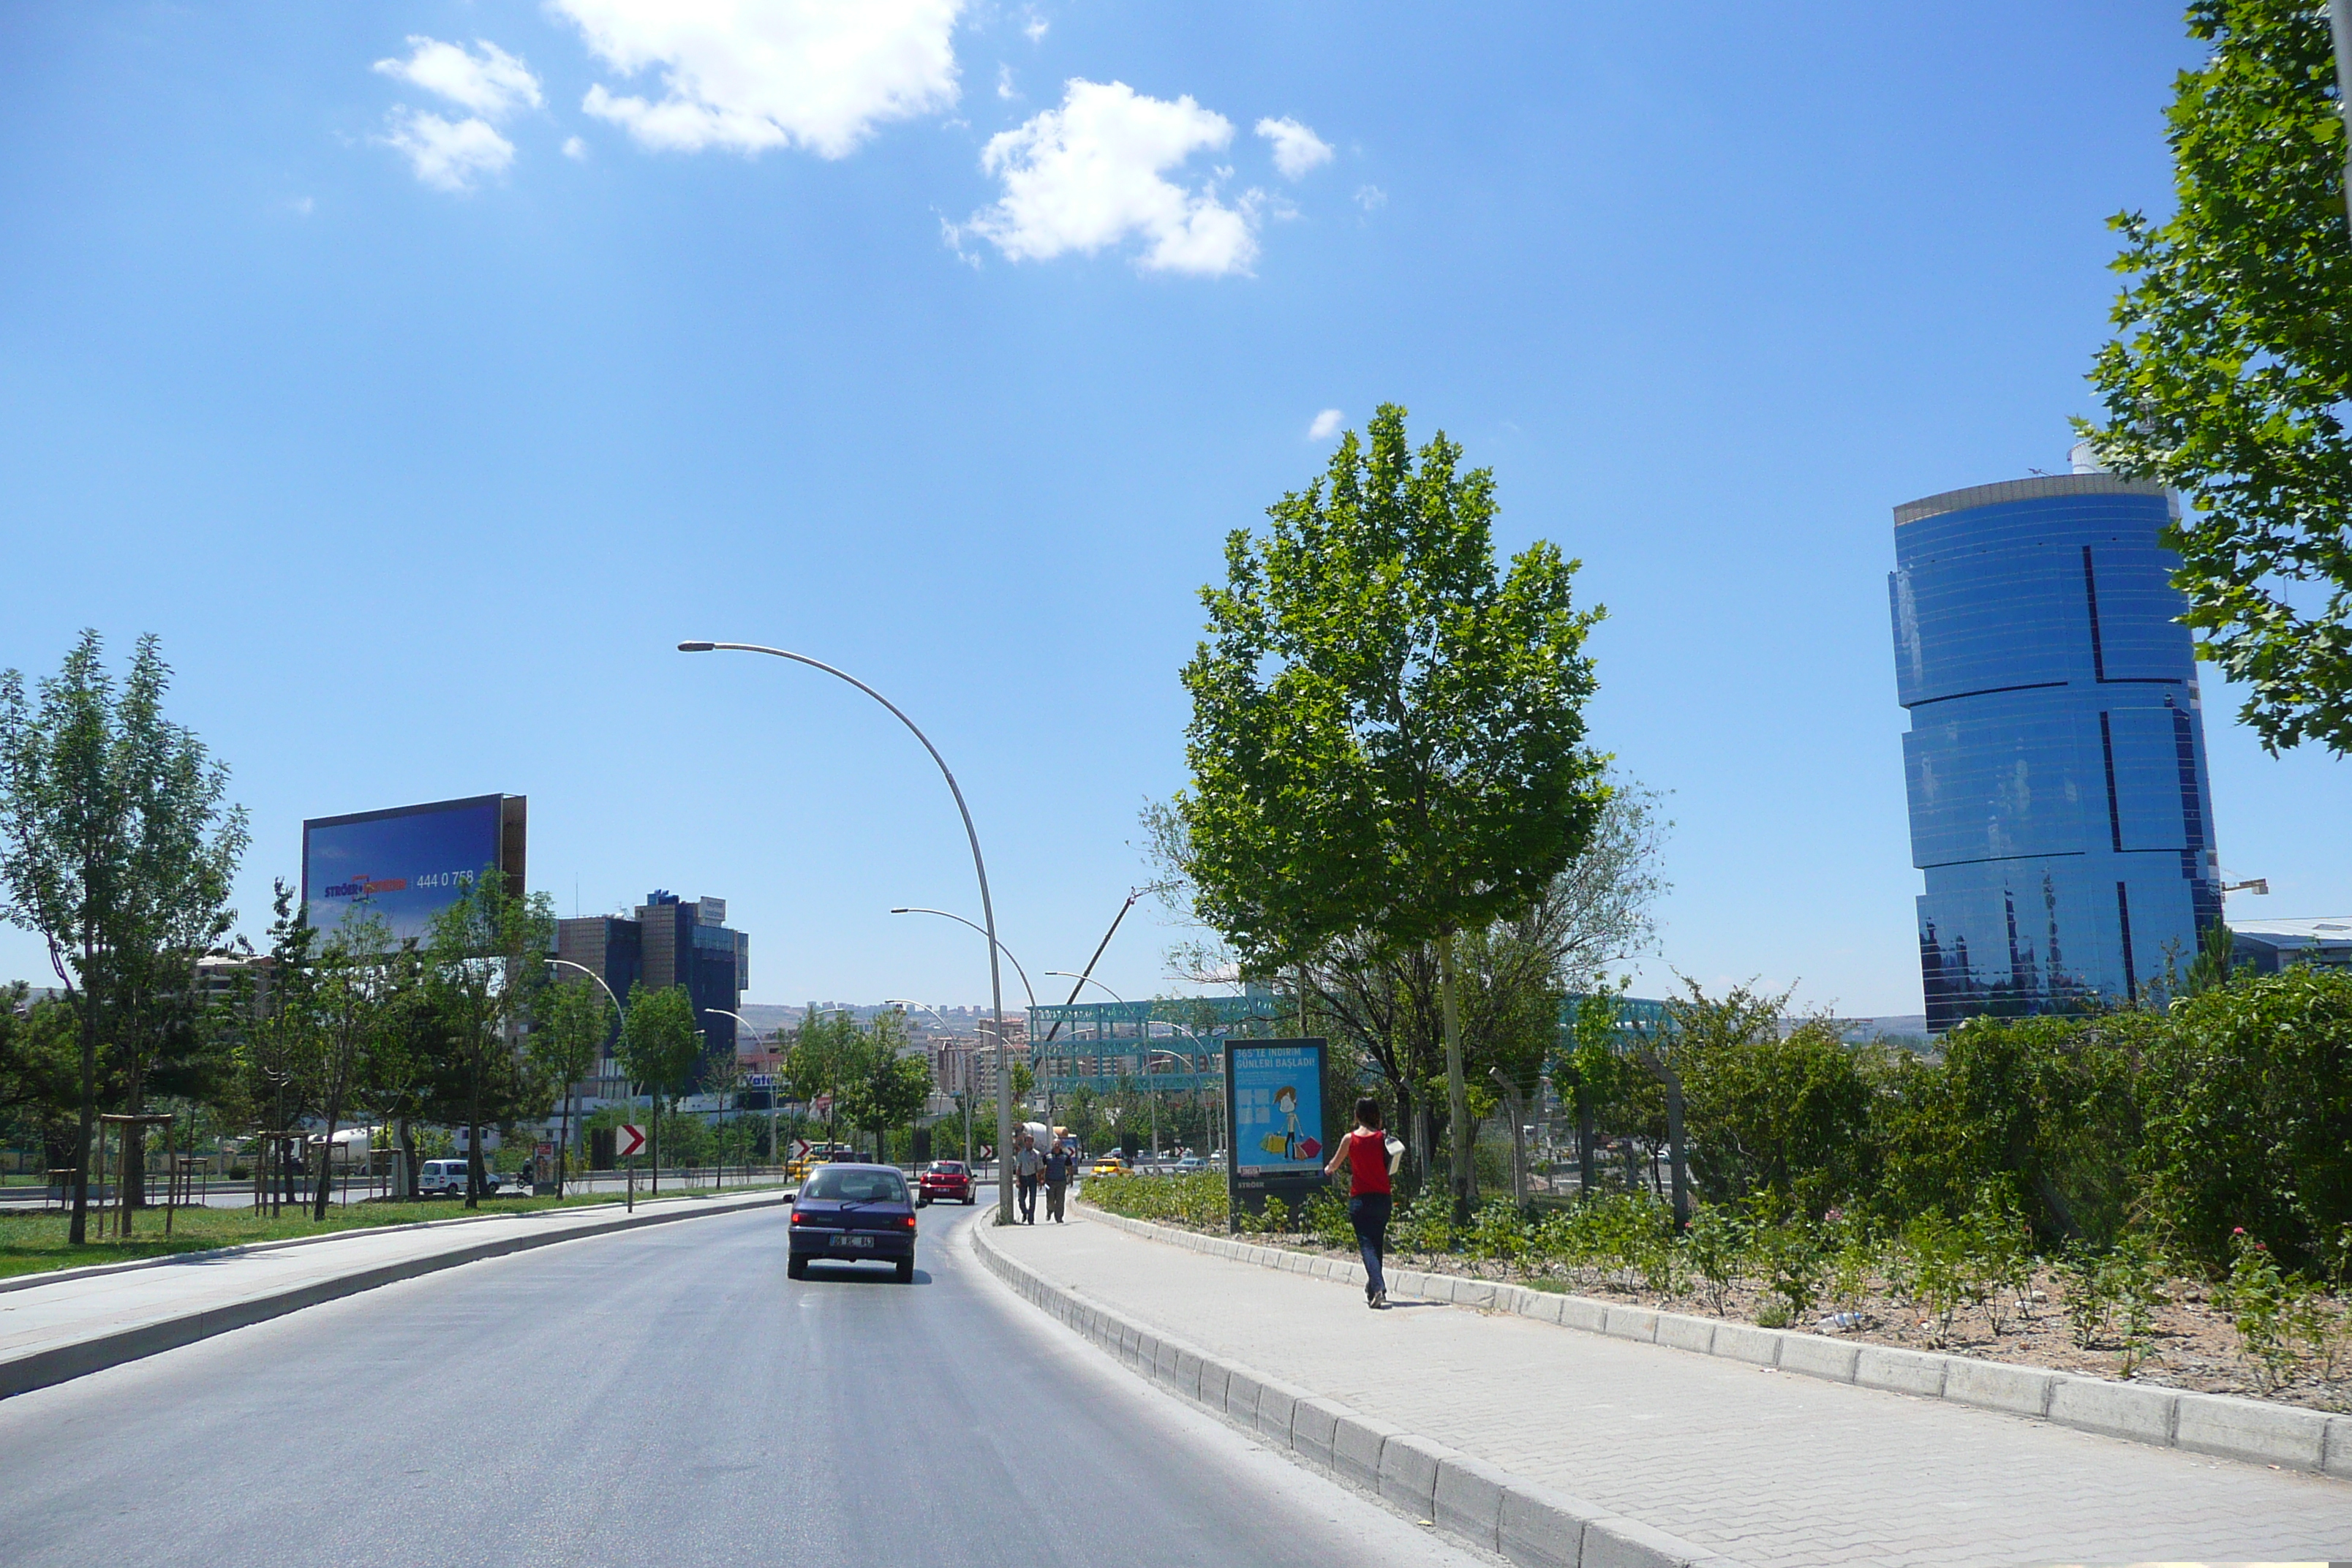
(801, 1147)
(628, 1140)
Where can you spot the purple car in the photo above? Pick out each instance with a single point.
(854, 1214)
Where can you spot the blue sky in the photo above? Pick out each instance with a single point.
(423, 373)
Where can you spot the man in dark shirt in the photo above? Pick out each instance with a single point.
(1060, 1167)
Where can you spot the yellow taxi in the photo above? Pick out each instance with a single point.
(1109, 1166)
(802, 1164)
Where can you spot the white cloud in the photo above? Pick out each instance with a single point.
(747, 75)
(1327, 425)
(1295, 148)
(1004, 88)
(303, 205)
(446, 155)
(1371, 198)
(491, 84)
(575, 149)
(1035, 27)
(1091, 174)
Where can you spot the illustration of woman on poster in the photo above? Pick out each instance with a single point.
(1285, 1100)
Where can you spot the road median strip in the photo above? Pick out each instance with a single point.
(60, 1363)
(1457, 1494)
(2220, 1425)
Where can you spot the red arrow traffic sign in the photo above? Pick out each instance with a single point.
(628, 1140)
(800, 1146)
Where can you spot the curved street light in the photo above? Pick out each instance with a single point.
(980, 868)
(951, 915)
(563, 1168)
(1004, 1049)
(773, 1151)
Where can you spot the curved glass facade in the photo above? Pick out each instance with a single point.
(2059, 807)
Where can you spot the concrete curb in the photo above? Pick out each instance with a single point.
(209, 1254)
(2221, 1424)
(62, 1363)
(1467, 1498)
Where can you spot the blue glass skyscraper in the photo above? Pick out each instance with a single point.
(2060, 806)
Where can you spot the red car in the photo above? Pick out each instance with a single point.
(945, 1181)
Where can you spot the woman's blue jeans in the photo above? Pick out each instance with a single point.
(1369, 1213)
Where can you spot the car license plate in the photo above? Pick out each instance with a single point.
(852, 1240)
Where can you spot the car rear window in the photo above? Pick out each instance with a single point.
(857, 1186)
(948, 1168)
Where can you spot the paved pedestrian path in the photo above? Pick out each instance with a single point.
(55, 1329)
(1765, 1467)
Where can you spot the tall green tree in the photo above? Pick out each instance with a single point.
(882, 1085)
(1381, 1004)
(574, 1020)
(355, 1001)
(2233, 352)
(1387, 736)
(39, 1088)
(116, 848)
(483, 967)
(659, 1047)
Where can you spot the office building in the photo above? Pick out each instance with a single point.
(666, 941)
(2268, 946)
(2059, 807)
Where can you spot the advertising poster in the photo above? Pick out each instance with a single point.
(403, 865)
(1275, 1088)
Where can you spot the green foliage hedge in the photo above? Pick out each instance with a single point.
(2167, 1132)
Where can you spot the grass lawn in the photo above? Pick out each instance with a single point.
(34, 1244)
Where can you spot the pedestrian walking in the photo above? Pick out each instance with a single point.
(1060, 1167)
(1370, 1154)
(1026, 1165)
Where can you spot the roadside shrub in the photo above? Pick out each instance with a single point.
(1716, 1245)
(1789, 1262)
(1324, 1216)
(1197, 1200)
(1498, 1232)
(1425, 1224)
(2260, 1300)
(2249, 1093)
(1766, 1113)
(1936, 1272)
(2044, 1105)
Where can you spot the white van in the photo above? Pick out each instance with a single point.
(447, 1177)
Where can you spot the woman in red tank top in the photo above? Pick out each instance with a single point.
(1365, 1153)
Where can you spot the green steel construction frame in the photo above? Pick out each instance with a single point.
(1099, 1044)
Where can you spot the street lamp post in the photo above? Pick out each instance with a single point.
(980, 869)
(1003, 1051)
(773, 1151)
(564, 1161)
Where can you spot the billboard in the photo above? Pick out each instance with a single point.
(1274, 1103)
(406, 865)
(1277, 1107)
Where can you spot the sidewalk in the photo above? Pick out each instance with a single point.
(82, 1321)
(1761, 1467)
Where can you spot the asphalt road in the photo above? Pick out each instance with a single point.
(663, 1397)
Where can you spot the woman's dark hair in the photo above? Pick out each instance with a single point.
(1368, 1113)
